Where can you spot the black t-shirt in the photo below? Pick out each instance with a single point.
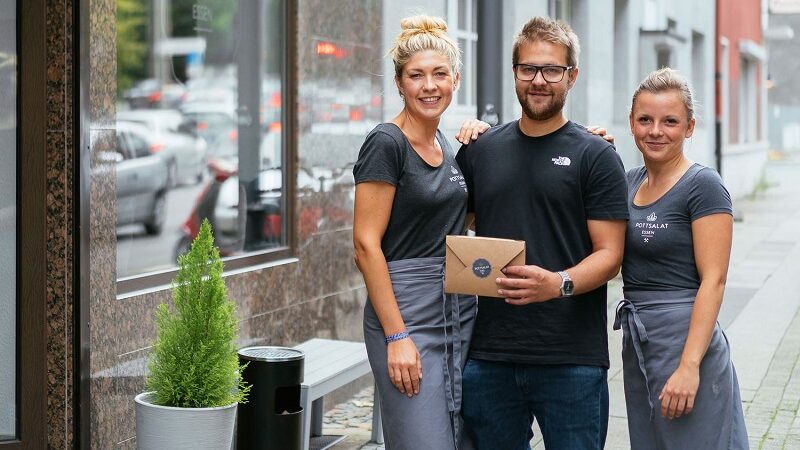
(429, 202)
(543, 190)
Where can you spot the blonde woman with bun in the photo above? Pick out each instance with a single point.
(681, 389)
(410, 194)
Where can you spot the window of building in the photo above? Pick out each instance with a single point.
(727, 126)
(653, 16)
(201, 134)
(748, 101)
(560, 9)
(663, 57)
(698, 67)
(8, 220)
(622, 55)
(463, 21)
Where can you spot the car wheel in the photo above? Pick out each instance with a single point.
(183, 247)
(172, 175)
(157, 217)
(199, 177)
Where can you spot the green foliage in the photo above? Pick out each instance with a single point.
(220, 30)
(132, 49)
(194, 362)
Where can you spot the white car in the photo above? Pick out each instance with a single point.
(183, 153)
(141, 183)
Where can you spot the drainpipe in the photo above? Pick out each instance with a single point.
(491, 61)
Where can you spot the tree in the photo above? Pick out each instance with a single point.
(194, 362)
(132, 43)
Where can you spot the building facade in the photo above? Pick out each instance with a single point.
(136, 119)
(784, 93)
(742, 96)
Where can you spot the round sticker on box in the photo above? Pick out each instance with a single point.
(481, 268)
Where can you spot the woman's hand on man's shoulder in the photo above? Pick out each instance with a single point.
(602, 132)
(470, 130)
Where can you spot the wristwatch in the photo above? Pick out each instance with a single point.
(567, 286)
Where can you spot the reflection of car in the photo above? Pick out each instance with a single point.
(150, 93)
(216, 123)
(219, 89)
(183, 153)
(141, 183)
(144, 94)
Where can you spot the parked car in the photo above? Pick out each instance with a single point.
(183, 153)
(217, 123)
(141, 183)
(151, 93)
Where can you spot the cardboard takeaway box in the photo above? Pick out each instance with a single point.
(473, 263)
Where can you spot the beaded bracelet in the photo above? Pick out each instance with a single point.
(397, 336)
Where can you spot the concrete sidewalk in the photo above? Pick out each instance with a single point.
(760, 315)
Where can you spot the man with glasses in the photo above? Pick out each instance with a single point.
(541, 349)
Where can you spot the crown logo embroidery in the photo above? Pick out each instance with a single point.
(453, 170)
(652, 217)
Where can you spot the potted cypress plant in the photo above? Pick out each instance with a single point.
(194, 383)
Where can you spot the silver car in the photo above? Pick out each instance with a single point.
(183, 153)
(141, 183)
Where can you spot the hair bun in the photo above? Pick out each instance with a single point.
(423, 24)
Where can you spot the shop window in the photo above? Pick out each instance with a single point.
(24, 208)
(8, 220)
(201, 133)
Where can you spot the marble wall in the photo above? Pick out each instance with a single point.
(317, 294)
(60, 227)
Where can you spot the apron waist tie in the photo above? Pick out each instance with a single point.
(452, 360)
(628, 319)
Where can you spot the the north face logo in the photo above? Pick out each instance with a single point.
(562, 161)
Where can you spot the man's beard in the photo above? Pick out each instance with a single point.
(549, 110)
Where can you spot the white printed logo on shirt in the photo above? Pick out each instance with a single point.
(650, 227)
(458, 178)
(562, 161)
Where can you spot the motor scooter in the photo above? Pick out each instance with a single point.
(243, 216)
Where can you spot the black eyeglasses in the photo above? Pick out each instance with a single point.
(551, 74)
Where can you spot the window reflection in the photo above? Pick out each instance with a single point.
(8, 219)
(199, 128)
(340, 99)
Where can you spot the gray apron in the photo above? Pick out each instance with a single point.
(655, 325)
(441, 326)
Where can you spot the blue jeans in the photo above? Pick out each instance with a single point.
(570, 403)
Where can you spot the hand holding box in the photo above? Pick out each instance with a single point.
(473, 263)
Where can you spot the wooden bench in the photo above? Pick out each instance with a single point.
(330, 364)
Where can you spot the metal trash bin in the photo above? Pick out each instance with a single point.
(272, 419)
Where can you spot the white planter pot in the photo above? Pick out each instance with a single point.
(170, 428)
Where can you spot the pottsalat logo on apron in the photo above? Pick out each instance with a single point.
(481, 268)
